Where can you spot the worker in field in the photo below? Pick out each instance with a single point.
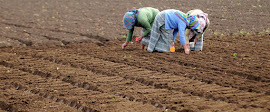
(165, 28)
(196, 38)
(143, 17)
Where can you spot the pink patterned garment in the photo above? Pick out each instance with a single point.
(203, 19)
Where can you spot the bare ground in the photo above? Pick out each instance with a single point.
(66, 56)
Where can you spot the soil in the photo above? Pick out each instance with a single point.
(66, 56)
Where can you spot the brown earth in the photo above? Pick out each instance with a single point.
(66, 56)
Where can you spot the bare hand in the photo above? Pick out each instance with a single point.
(140, 38)
(187, 51)
(195, 41)
(125, 44)
(142, 46)
(172, 44)
(187, 48)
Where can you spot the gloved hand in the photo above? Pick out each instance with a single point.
(172, 48)
(138, 39)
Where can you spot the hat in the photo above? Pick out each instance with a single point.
(129, 20)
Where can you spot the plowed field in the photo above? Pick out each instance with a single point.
(58, 57)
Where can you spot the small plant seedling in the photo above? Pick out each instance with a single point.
(113, 98)
(234, 34)
(102, 33)
(127, 57)
(234, 54)
(166, 110)
(124, 36)
(140, 4)
(241, 32)
(267, 30)
(215, 33)
(238, 4)
(260, 6)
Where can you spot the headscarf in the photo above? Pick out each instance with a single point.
(202, 18)
(194, 22)
(130, 18)
(191, 21)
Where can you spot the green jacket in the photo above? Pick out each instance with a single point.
(145, 20)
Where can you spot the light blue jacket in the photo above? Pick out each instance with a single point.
(172, 21)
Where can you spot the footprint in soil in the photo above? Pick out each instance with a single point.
(12, 98)
(100, 44)
(3, 78)
(25, 102)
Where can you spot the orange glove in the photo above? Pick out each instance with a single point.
(172, 48)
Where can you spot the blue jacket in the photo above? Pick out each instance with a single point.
(172, 21)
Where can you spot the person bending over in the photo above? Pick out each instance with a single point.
(165, 28)
(144, 18)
